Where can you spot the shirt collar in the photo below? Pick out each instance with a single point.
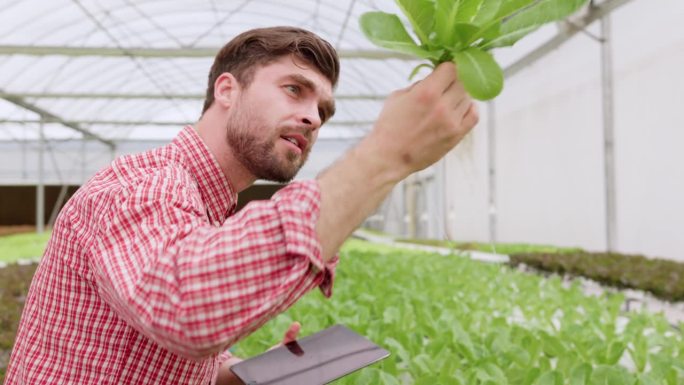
(217, 193)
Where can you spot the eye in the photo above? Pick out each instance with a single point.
(293, 89)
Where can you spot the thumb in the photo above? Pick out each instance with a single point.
(292, 332)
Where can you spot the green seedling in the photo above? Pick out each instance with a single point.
(464, 31)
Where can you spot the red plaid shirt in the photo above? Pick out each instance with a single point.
(149, 276)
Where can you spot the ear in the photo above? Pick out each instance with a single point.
(226, 87)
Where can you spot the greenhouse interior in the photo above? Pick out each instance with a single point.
(546, 247)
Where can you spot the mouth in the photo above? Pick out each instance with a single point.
(297, 141)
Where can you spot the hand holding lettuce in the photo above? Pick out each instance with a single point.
(464, 31)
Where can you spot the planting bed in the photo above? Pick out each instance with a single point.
(451, 320)
(14, 283)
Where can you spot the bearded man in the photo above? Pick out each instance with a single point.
(150, 275)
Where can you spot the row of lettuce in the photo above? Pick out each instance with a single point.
(661, 277)
(450, 320)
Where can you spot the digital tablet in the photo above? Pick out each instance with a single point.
(314, 360)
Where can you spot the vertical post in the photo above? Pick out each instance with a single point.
(410, 199)
(439, 197)
(491, 152)
(40, 186)
(608, 132)
(24, 168)
(83, 161)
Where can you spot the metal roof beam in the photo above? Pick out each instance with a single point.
(140, 52)
(77, 95)
(151, 123)
(52, 118)
(595, 13)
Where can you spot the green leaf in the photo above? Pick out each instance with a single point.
(462, 34)
(445, 19)
(421, 14)
(487, 12)
(611, 375)
(417, 69)
(615, 351)
(551, 377)
(391, 315)
(580, 374)
(388, 379)
(531, 18)
(480, 73)
(509, 7)
(491, 29)
(386, 30)
(424, 363)
(531, 376)
(508, 38)
(552, 345)
(496, 374)
(568, 361)
(478, 12)
(519, 356)
(649, 379)
(396, 347)
(639, 353)
(368, 376)
(467, 11)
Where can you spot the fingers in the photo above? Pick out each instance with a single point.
(463, 107)
(471, 117)
(292, 332)
(443, 83)
(456, 96)
(441, 78)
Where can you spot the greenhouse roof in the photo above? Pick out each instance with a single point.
(136, 70)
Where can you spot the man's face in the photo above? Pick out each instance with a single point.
(275, 121)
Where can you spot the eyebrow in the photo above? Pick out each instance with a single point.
(327, 106)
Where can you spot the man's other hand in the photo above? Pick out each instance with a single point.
(226, 376)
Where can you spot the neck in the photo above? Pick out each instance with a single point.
(213, 132)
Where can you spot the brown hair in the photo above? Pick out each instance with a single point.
(258, 47)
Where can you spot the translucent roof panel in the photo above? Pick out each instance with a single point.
(122, 68)
(108, 67)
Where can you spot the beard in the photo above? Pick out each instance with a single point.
(257, 153)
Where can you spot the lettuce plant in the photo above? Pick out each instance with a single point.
(452, 320)
(464, 31)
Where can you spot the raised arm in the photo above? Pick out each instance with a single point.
(416, 127)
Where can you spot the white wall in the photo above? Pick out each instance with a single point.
(549, 144)
(649, 63)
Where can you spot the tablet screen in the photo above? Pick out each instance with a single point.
(316, 359)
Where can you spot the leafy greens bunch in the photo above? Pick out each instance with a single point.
(464, 31)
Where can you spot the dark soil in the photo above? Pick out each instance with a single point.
(14, 284)
(11, 230)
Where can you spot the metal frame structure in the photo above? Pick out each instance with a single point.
(30, 100)
(596, 12)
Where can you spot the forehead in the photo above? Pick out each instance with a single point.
(287, 66)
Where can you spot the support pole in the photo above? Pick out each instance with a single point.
(410, 203)
(439, 197)
(608, 132)
(24, 167)
(83, 161)
(491, 151)
(40, 186)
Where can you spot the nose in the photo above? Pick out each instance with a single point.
(311, 117)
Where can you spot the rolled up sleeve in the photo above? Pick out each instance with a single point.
(195, 288)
